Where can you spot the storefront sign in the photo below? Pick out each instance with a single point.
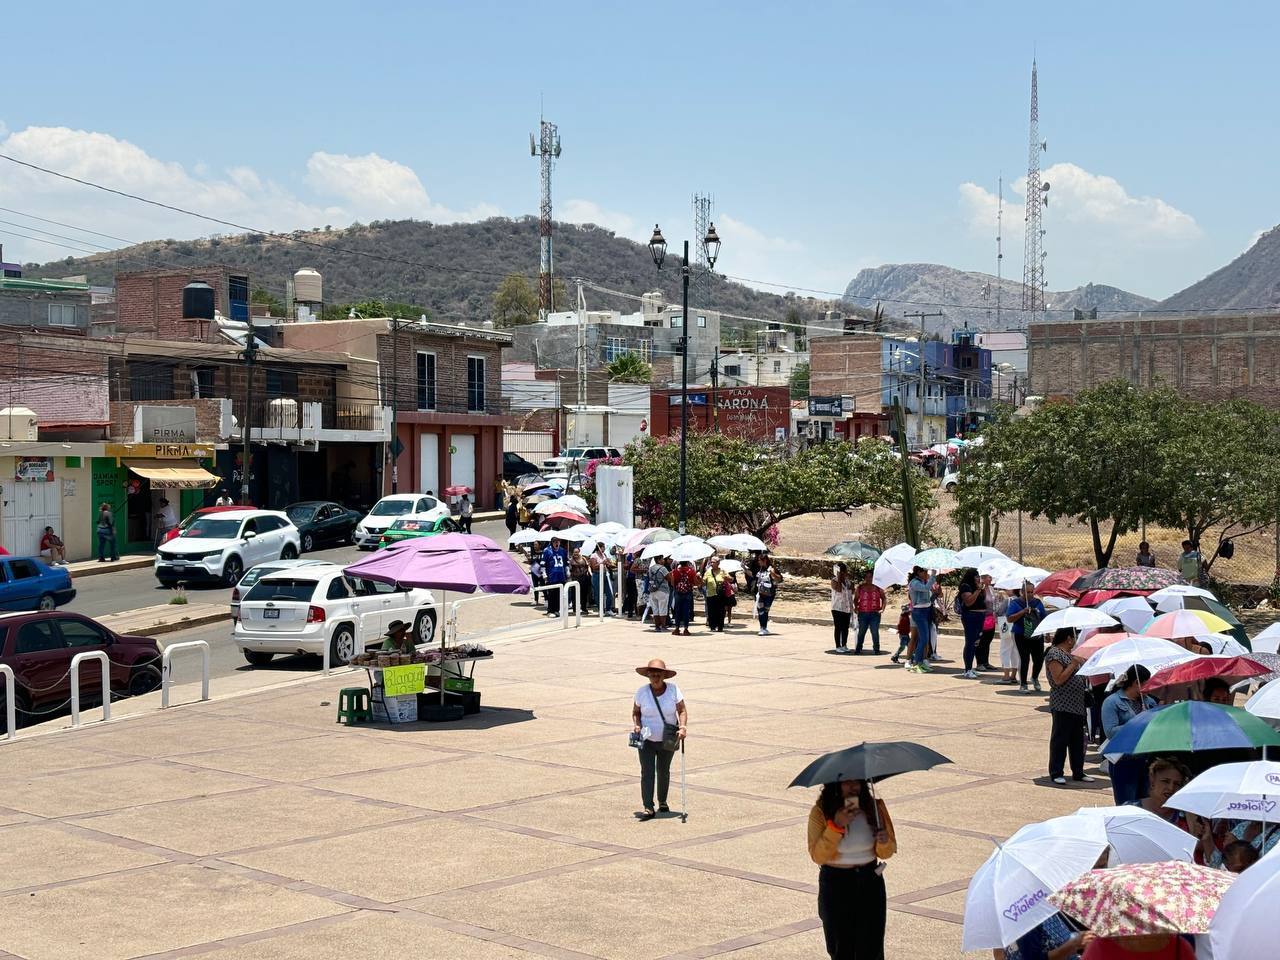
(825, 407)
(167, 425)
(695, 400)
(402, 681)
(159, 451)
(33, 469)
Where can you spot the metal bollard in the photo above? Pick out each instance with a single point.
(10, 704)
(79, 658)
(166, 668)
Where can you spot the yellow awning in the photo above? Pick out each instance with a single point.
(183, 474)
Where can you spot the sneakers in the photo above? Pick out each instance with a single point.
(935, 659)
(968, 675)
(895, 659)
(1022, 688)
(836, 650)
(925, 668)
(761, 633)
(1083, 779)
(1036, 683)
(1060, 781)
(913, 668)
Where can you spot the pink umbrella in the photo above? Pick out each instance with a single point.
(645, 537)
(450, 561)
(1097, 641)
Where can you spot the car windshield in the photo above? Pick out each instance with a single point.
(300, 514)
(254, 574)
(575, 452)
(282, 588)
(209, 528)
(413, 525)
(391, 508)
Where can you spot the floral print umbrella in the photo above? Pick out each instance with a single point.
(1145, 898)
(1128, 579)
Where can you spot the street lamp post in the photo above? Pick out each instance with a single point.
(658, 248)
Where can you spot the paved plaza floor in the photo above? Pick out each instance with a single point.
(254, 827)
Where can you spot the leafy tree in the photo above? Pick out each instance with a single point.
(1218, 467)
(375, 308)
(629, 368)
(799, 381)
(735, 485)
(515, 302)
(270, 300)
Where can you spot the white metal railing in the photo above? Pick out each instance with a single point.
(79, 658)
(10, 703)
(566, 590)
(166, 668)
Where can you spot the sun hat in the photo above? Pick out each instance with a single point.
(394, 627)
(656, 665)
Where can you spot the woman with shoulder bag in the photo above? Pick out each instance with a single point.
(658, 721)
(850, 835)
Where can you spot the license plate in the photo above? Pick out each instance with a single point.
(271, 614)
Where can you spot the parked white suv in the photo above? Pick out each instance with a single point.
(577, 458)
(221, 546)
(305, 609)
(369, 531)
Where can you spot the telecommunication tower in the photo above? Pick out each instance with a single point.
(546, 146)
(999, 249)
(702, 204)
(1037, 197)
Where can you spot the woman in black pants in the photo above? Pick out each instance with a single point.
(1068, 706)
(850, 834)
(973, 615)
(1024, 613)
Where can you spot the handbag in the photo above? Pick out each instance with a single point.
(990, 622)
(670, 731)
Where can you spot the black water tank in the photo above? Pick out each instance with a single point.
(197, 301)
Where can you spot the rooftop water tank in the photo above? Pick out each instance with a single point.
(307, 286)
(19, 423)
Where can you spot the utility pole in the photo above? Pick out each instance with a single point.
(684, 379)
(581, 365)
(250, 355)
(395, 404)
(715, 383)
(920, 372)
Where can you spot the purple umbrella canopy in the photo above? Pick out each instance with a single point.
(461, 562)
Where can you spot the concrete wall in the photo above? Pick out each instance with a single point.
(30, 308)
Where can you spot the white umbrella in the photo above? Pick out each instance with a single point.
(586, 529)
(937, 558)
(1171, 597)
(571, 501)
(1239, 791)
(1223, 645)
(995, 567)
(660, 549)
(975, 555)
(1009, 894)
(693, 551)
(1055, 603)
(1014, 577)
(900, 555)
(686, 538)
(552, 506)
(1244, 926)
(1268, 641)
(1150, 652)
(610, 527)
(1137, 835)
(545, 536)
(521, 537)
(1076, 618)
(737, 541)
(1133, 612)
(730, 566)
(1266, 702)
(888, 574)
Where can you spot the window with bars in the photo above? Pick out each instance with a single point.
(150, 381)
(645, 349)
(475, 384)
(426, 380)
(614, 348)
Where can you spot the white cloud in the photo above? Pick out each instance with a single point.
(347, 189)
(1096, 230)
(762, 260)
(588, 211)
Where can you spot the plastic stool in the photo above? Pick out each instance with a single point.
(353, 705)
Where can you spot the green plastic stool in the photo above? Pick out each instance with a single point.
(353, 705)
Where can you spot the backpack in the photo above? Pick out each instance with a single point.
(957, 604)
(656, 580)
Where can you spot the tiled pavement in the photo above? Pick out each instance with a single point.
(256, 828)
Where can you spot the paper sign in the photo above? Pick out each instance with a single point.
(401, 681)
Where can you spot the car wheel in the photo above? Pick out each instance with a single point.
(258, 658)
(144, 679)
(343, 646)
(46, 602)
(289, 552)
(424, 628)
(21, 709)
(308, 543)
(232, 571)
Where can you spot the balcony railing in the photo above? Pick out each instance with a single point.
(350, 415)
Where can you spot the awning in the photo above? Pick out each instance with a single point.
(183, 474)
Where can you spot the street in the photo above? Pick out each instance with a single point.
(131, 589)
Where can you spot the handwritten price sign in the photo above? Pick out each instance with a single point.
(402, 681)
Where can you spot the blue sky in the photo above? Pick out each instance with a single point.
(834, 136)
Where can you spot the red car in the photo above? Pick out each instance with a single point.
(39, 646)
(195, 515)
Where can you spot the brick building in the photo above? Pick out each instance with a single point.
(1207, 358)
(149, 302)
(846, 366)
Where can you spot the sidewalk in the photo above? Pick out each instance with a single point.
(256, 827)
(91, 568)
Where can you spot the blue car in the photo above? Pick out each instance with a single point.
(28, 583)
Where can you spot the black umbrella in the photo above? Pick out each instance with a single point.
(868, 761)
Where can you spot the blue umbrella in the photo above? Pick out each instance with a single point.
(1192, 725)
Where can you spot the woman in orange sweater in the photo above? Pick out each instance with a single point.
(850, 834)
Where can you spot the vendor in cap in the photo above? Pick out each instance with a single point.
(398, 638)
(657, 706)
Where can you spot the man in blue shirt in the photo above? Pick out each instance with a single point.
(555, 567)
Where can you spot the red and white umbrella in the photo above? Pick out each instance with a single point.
(1202, 668)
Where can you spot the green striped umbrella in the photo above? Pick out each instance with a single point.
(1190, 726)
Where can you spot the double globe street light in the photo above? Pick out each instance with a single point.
(658, 247)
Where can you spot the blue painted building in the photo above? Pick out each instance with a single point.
(957, 385)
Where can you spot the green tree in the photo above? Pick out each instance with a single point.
(270, 300)
(799, 381)
(629, 368)
(736, 485)
(515, 302)
(376, 308)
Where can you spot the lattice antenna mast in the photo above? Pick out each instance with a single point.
(1033, 254)
(547, 148)
(702, 204)
(999, 250)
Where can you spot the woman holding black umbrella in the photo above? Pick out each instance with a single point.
(850, 833)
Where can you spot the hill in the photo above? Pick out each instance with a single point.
(461, 266)
(1251, 280)
(931, 287)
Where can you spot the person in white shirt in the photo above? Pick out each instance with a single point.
(166, 519)
(657, 705)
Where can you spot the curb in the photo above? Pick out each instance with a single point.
(120, 623)
(92, 568)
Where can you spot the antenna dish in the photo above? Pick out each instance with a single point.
(1044, 145)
